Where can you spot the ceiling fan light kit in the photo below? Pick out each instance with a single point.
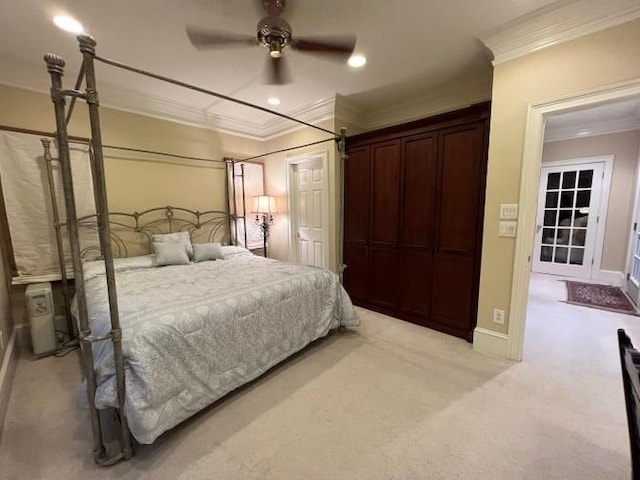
(275, 33)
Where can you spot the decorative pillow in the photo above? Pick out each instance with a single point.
(207, 251)
(95, 268)
(170, 253)
(177, 237)
(230, 251)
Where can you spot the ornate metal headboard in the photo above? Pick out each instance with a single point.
(132, 233)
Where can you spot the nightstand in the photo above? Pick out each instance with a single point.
(257, 251)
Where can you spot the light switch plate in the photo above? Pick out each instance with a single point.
(507, 229)
(509, 211)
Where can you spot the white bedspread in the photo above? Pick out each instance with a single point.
(193, 333)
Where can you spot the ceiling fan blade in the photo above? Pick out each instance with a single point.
(340, 48)
(204, 38)
(277, 71)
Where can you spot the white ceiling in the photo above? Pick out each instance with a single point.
(610, 117)
(412, 46)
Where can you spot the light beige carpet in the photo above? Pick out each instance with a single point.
(389, 400)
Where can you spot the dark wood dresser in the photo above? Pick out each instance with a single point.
(414, 205)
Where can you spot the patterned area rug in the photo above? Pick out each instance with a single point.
(603, 297)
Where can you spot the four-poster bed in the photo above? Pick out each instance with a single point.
(262, 325)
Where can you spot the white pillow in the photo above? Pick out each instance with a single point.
(232, 251)
(170, 253)
(95, 268)
(177, 237)
(203, 252)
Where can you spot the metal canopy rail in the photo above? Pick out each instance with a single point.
(208, 92)
(55, 67)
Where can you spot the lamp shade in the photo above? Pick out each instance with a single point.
(264, 204)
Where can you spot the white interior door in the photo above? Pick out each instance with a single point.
(309, 220)
(569, 203)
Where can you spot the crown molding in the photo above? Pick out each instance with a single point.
(28, 76)
(594, 128)
(347, 112)
(558, 23)
(313, 113)
(441, 101)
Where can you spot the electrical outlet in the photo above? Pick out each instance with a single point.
(507, 229)
(498, 316)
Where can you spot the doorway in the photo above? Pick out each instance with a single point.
(632, 283)
(538, 115)
(572, 208)
(309, 209)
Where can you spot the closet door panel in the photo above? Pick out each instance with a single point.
(459, 189)
(414, 283)
(385, 198)
(418, 196)
(356, 275)
(383, 270)
(452, 290)
(357, 194)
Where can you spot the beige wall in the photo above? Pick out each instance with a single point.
(138, 181)
(624, 146)
(604, 58)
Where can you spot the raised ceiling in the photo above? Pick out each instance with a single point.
(413, 46)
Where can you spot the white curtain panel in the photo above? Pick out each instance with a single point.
(253, 186)
(26, 195)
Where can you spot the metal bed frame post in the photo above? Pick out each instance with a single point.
(227, 191)
(55, 67)
(244, 206)
(48, 159)
(231, 179)
(87, 47)
(342, 159)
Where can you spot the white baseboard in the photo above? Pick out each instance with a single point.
(610, 277)
(6, 376)
(490, 342)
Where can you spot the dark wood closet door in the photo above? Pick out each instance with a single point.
(419, 167)
(460, 173)
(414, 204)
(385, 204)
(357, 180)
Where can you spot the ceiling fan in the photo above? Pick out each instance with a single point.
(275, 33)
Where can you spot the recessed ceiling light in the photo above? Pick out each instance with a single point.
(273, 101)
(68, 24)
(357, 61)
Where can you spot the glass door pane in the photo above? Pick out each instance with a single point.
(566, 217)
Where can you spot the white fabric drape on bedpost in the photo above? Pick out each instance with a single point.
(253, 186)
(26, 195)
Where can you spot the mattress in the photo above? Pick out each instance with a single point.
(192, 333)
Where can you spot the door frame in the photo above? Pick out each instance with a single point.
(607, 160)
(537, 112)
(291, 163)
(631, 233)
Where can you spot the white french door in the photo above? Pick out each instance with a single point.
(569, 202)
(309, 213)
